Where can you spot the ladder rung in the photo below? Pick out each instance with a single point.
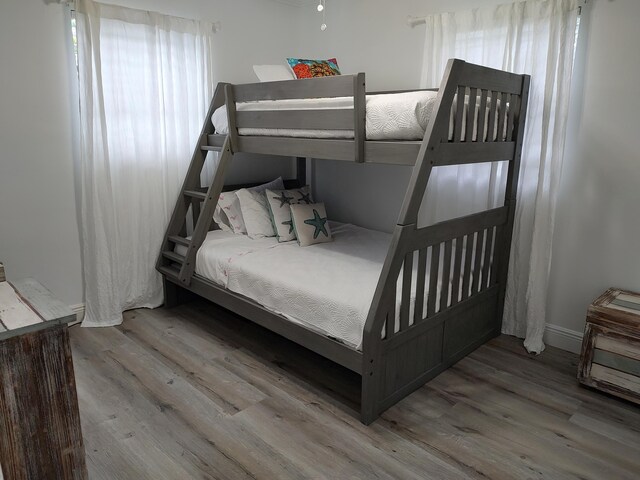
(211, 148)
(179, 240)
(176, 257)
(196, 194)
(170, 271)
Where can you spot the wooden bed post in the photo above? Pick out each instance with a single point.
(510, 197)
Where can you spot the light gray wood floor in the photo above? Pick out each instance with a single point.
(195, 392)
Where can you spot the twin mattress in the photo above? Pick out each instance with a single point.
(397, 116)
(391, 116)
(327, 287)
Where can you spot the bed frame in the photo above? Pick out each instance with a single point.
(463, 310)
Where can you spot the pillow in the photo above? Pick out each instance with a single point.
(228, 210)
(313, 68)
(273, 73)
(310, 224)
(255, 213)
(280, 202)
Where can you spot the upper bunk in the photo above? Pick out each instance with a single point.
(272, 118)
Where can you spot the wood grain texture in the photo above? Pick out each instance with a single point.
(610, 356)
(196, 392)
(40, 436)
(26, 306)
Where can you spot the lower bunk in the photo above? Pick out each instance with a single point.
(325, 298)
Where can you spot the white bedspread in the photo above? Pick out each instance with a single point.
(327, 287)
(392, 116)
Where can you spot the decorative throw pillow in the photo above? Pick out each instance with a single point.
(228, 211)
(273, 73)
(255, 213)
(303, 68)
(310, 224)
(280, 202)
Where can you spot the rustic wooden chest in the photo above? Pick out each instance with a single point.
(40, 435)
(610, 358)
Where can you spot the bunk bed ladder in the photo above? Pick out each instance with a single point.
(173, 265)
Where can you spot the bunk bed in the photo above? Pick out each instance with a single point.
(439, 293)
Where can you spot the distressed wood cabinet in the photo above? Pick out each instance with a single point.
(40, 435)
(610, 358)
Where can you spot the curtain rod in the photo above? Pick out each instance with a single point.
(413, 21)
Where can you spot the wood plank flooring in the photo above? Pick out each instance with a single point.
(196, 392)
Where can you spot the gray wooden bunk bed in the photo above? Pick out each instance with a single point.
(398, 355)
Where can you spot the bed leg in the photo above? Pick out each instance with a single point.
(172, 297)
(369, 402)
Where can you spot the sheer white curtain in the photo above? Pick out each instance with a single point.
(538, 38)
(145, 86)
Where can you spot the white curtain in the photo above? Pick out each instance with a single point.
(145, 86)
(538, 38)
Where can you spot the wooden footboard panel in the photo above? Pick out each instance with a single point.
(408, 365)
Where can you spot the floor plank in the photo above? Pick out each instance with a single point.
(197, 392)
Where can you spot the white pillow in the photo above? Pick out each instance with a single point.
(255, 213)
(273, 73)
(228, 214)
(228, 211)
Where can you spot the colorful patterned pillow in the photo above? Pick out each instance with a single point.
(280, 202)
(313, 68)
(310, 224)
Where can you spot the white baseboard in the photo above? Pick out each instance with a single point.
(79, 311)
(563, 338)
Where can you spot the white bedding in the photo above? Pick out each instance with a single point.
(327, 287)
(392, 116)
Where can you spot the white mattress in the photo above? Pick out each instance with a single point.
(393, 116)
(327, 287)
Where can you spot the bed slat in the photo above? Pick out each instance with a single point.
(446, 276)
(471, 114)
(514, 106)
(391, 313)
(433, 280)
(482, 115)
(466, 278)
(457, 264)
(420, 284)
(498, 246)
(457, 124)
(477, 262)
(504, 100)
(405, 302)
(492, 117)
(488, 251)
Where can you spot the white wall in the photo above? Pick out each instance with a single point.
(597, 231)
(38, 227)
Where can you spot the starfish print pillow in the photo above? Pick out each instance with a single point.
(311, 224)
(280, 202)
